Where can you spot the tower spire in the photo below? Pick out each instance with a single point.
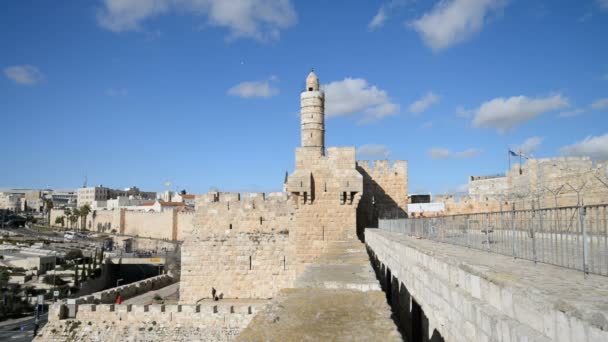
(312, 114)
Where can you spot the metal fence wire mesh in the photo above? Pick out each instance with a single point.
(573, 237)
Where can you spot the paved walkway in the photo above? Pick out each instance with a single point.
(168, 293)
(336, 299)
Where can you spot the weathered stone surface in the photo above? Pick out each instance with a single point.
(472, 295)
(337, 299)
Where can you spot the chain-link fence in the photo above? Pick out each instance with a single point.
(573, 237)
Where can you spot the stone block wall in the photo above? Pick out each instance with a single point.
(241, 246)
(109, 322)
(326, 207)
(168, 225)
(464, 302)
(236, 265)
(385, 191)
(126, 291)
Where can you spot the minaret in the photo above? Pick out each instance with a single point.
(312, 102)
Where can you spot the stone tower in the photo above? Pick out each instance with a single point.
(312, 113)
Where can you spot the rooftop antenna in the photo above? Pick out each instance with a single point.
(84, 185)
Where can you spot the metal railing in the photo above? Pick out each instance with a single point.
(572, 237)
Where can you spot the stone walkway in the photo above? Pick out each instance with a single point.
(168, 293)
(336, 299)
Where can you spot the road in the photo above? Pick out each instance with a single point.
(11, 330)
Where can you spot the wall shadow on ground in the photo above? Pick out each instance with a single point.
(375, 204)
(412, 322)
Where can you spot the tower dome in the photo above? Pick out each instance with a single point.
(312, 82)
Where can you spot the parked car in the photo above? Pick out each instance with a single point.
(69, 235)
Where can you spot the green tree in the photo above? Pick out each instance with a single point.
(76, 216)
(48, 205)
(60, 220)
(67, 212)
(84, 212)
(76, 278)
(73, 255)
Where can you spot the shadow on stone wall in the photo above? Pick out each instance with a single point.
(409, 317)
(375, 204)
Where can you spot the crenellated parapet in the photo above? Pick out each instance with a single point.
(384, 167)
(385, 191)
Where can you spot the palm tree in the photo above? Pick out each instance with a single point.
(68, 214)
(48, 205)
(75, 216)
(84, 212)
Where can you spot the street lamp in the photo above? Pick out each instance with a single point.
(118, 281)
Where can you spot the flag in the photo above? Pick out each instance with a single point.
(513, 154)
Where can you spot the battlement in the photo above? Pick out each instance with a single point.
(245, 197)
(126, 291)
(384, 167)
(161, 313)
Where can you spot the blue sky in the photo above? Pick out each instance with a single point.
(205, 93)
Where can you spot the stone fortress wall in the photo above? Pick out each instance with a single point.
(240, 247)
(169, 225)
(384, 192)
(247, 247)
(542, 183)
(252, 245)
(109, 322)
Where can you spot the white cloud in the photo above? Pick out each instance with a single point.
(453, 21)
(113, 92)
(378, 20)
(424, 103)
(355, 95)
(603, 4)
(529, 145)
(24, 74)
(250, 89)
(594, 147)
(439, 153)
(600, 103)
(373, 151)
(571, 113)
(504, 113)
(466, 154)
(258, 19)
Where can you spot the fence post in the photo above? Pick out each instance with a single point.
(532, 232)
(513, 230)
(583, 213)
(467, 232)
(488, 231)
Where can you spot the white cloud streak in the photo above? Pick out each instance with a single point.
(355, 95)
(600, 103)
(529, 146)
(24, 74)
(249, 89)
(424, 103)
(258, 19)
(504, 113)
(571, 113)
(373, 151)
(453, 21)
(440, 153)
(378, 20)
(595, 147)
